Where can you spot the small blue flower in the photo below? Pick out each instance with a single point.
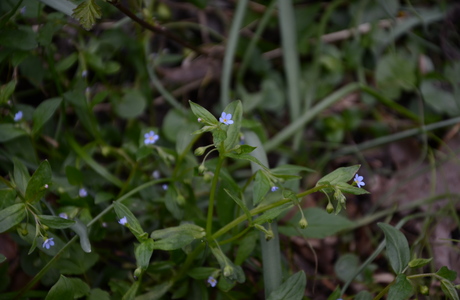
(123, 221)
(212, 281)
(226, 118)
(359, 180)
(63, 215)
(82, 193)
(164, 186)
(23, 10)
(48, 243)
(18, 116)
(151, 138)
(84, 74)
(274, 188)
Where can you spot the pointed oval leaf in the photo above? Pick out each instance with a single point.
(12, 216)
(203, 114)
(419, 262)
(9, 132)
(55, 222)
(134, 225)
(401, 289)
(343, 174)
(233, 130)
(82, 230)
(143, 253)
(44, 112)
(36, 186)
(397, 247)
(449, 289)
(293, 288)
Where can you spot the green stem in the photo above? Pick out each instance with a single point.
(212, 195)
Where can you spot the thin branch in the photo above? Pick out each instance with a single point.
(155, 28)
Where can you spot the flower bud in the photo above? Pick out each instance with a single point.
(200, 151)
(228, 271)
(424, 290)
(269, 235)
(201, 169)
(137, 273)
(329, 208)
(180, 200)
(208, 176)
(303, 223)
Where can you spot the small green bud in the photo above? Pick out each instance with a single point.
(180, 200)
(228, 271)
(201, 168)
(137, 273)
(105, 150)
(24, 231)
(200, 151)
(303, 223)
(45, 227)
(208, 176)
(329, 208)
(269, 235)
(424, 290)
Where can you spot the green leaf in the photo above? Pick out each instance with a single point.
(177, 237)
(82, 230)
(23, 38)
(449, 290)
(44, 112)
(320, 224)
(262, 185)
(246, 247)
(293, 288)
(271, 214)
(419, 262)
(131, 293)
(401, 289)
(201, 273)
(229, 269)
(78, 261)
(447, 274)
(74, 175)
(233, 130)
(36, 185)
(87, 13)
(143, 253)
(243, 149)
(21, 175)
(346, 266)
(364, 295)
(343, 174)
(397, 247)
(347, 188)
(68, 288)
(202, 113)
(12, 216)
(393, 74)
(218, 136)
(98, 294)
(132, 105)
(2, 258)
(6, 91)
(133, 224)
(241, 204)
(7, 197)
(55, 222)
(440, 100)
(9, 132)
(290, 169)
(248, 157)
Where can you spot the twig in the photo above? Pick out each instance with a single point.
(157, 29)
